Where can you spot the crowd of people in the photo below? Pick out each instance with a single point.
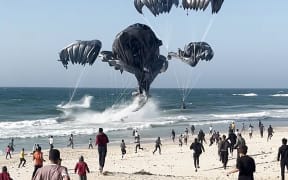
(245, 164)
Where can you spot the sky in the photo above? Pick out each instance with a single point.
(249, 39)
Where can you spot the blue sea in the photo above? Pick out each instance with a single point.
(31, 115)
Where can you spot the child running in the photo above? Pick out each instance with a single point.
(82, 167)
(22, 159)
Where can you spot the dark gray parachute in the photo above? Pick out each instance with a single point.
(193, 53)
(157, 7)
(80, 52)
(136, 50)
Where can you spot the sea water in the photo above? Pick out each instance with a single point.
(31, 115)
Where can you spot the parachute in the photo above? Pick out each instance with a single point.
(193, 53)
(158, 7)
(136, 50)
(80, 52)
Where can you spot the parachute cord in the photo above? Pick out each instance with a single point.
(77, 84)
(211, 21)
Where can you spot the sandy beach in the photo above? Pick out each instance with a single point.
(174, 162)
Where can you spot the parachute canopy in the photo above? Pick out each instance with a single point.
(80, 52)
(193, 53)
(157, 7)
(136, 50)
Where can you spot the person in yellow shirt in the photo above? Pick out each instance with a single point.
(22, 159)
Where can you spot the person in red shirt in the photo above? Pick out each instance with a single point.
(82, 167)
(101, 141)
(5, 175)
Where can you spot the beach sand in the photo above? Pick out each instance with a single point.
(173, 163)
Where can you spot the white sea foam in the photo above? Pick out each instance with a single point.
(85, 102)
(279, 95)
(241, 115)
(247, 94)
(85, 120)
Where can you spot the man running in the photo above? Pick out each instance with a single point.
(197, 147)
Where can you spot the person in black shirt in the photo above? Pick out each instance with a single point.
(270, 132)
(198, 148)
(245, 165)
(157, 145)
(173, 135)
(283, 153)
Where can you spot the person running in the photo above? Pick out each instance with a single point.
(224, 151)
(137, 141)
(90, 144)
(22, 158)
(11, 144)
(54, 170)
(201, 136)
(4, 175)
(233, 139)
(38, 160)
(261, 128)
(51, 141)
(270, 132)
(81, 167)
(123, 148)
(250, 130)
(283, 157)
(243, 128)
(239, 143)
(158, 145)
(180, 140)
(197, 147)
(71, 141)
(185, 137)
(101, 141)
(245, 165)
(192, 129)
(8, 152)
(173, 134)
(210, 130)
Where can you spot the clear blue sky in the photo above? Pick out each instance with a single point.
(249, 39)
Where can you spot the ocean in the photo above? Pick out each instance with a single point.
(31, 115)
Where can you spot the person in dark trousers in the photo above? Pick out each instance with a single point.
(22, 158)
(101, 141)
(192, 129)
(11, 144)
(8, 152)
(240, 142)
(90, 144)
(270, 132)
(283, 157)
(51, 141)
(201, 136)
(123, 148)
(233, 139)
(173, 134)
(180, 140)
(71, 141)
(261, 128)
(245, 165)
(158, 145)
(197, 147)
(82, 167)
(137, 141)
(224, 151)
